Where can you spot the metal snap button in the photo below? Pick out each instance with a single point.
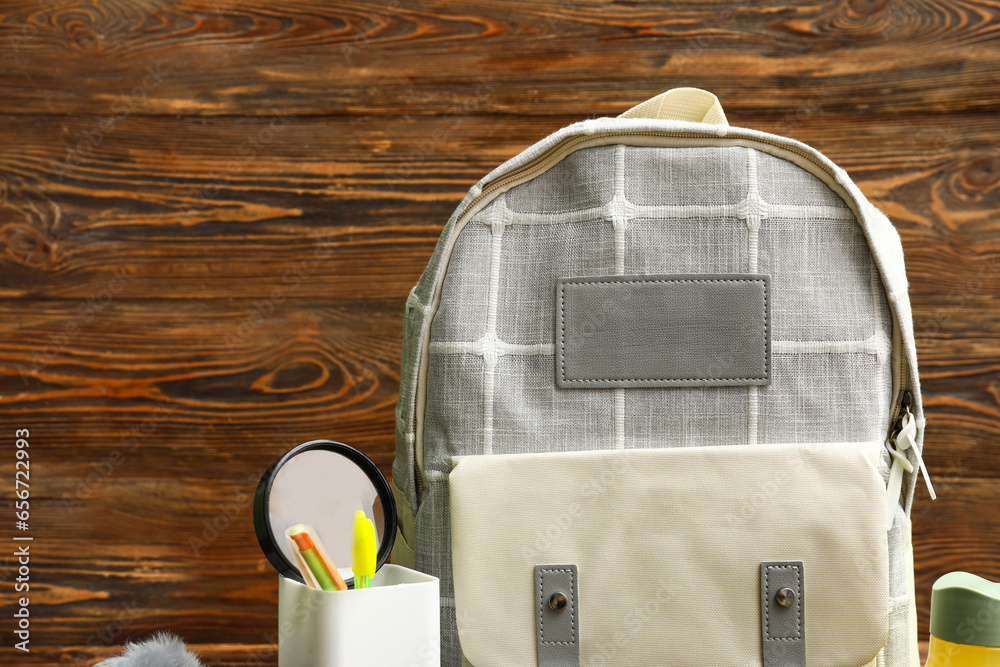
(785, 597)
(558, 601)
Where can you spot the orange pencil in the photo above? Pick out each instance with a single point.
(313, 560)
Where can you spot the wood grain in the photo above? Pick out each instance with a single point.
(371, 195)
(247, 378)
(201, 269)
(561, 56)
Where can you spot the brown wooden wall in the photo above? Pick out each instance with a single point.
(168, 167)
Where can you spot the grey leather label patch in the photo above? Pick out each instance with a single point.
(783, 628)
(557, 615)
(663, 331)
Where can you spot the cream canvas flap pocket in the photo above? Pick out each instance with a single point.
(668, 546)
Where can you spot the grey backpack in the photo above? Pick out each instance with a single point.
(659, 405)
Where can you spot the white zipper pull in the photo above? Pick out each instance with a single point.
(903, 437)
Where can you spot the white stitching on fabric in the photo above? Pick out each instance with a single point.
(541, 607)
(677, 212)
(663, 280)
(767, 603)
(754, 222)
(620, 222)
(562, 327)
(491, 351)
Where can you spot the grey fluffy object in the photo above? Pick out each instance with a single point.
(163, 650)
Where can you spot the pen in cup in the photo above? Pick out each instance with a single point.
(313, 560)
(363, 550)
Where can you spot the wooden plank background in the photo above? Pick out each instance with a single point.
(168, 168)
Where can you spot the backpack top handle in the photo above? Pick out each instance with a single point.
(693, 105)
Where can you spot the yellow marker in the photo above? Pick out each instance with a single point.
(363, 551)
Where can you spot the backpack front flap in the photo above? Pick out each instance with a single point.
(651, 369)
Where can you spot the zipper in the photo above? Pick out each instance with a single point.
(569, 143)
(902, 408)
(541, 163)
(904, 400)
(903, 436)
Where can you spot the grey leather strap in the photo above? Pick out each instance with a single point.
(783, 628)
(557, 623)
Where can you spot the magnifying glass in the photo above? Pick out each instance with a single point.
(322, 483)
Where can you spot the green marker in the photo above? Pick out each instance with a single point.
(325, 577)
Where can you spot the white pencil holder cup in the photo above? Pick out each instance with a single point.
(395, 623)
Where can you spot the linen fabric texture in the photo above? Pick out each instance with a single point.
(478, 366)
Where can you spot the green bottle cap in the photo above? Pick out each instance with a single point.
(965, 609)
